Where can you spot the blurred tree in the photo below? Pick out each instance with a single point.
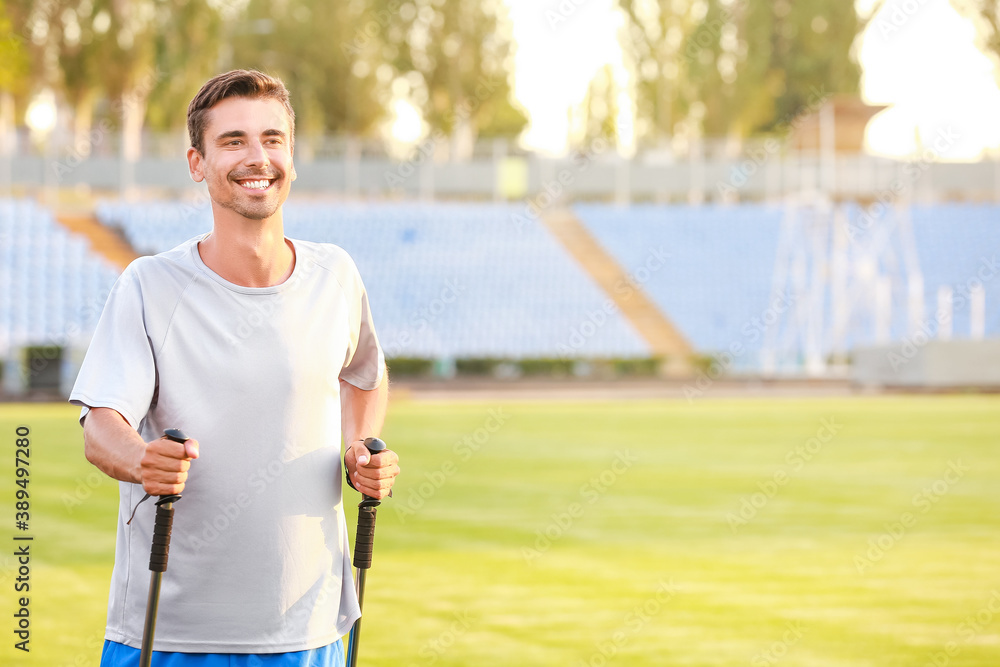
(77, 34)
(117, 57)
(13, 55)
(186, 27)
(29, 30)
(653, 41)
(123, 53)
(737, 67)
(985, 15)
(598, 115)
(452, 59)
(13, 81)
(327, 55)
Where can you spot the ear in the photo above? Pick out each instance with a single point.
(291, 162)
(195, 165)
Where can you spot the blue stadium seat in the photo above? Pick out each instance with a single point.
(720, 274)
(445, 280)
(47, 278)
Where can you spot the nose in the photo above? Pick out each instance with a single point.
(257, 155)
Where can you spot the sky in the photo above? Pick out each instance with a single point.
(917, 56)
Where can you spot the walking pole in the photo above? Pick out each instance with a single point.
(158, 559)
(363, 545)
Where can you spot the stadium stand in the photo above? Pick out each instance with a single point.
(52, 287)
(718, 276)
(719, 281)
(959, 246)
(447, 280)
(472, 280)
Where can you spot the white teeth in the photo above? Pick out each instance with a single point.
(256, 185)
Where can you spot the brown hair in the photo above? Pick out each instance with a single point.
(236, 83)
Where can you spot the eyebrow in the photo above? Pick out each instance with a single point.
(240, 134)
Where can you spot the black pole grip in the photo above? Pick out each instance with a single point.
(161, 533)
(364, 542)
(175, 434)
(164, 523)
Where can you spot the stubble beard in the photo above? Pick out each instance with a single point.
(245, 205)
(252, 210)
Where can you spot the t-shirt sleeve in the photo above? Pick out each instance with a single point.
(366, 365)
(118, 371)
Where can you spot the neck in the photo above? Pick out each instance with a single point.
(250, 253)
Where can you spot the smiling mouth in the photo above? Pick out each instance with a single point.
(256, 185)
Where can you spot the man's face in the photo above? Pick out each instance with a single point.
(247, 160)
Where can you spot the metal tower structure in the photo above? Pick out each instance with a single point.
(851, 276)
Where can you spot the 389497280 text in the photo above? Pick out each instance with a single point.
(22, 540)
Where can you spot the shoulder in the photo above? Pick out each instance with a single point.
(328, 257)
(323, 254)
(174, 267)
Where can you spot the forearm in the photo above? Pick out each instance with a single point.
(112, 445)
(362, 413)
(362, 416)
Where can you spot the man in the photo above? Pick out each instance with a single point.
(263, 350)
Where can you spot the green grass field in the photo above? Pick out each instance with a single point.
(851, 531)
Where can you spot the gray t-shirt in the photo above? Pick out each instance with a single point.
(259, 554)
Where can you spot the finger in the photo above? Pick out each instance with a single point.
(191, 448)
(165, 477)
(167, 449)
(374, 488)
(157, 461)
(361, 454)
(384, 472)
(385, 458)
(158, 489)
(163, 482)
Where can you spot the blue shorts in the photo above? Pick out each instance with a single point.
(119, 655)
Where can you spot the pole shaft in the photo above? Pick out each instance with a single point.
(354, 637)
(150, 626)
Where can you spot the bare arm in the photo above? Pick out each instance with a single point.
(362, 416)
(118, 451)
